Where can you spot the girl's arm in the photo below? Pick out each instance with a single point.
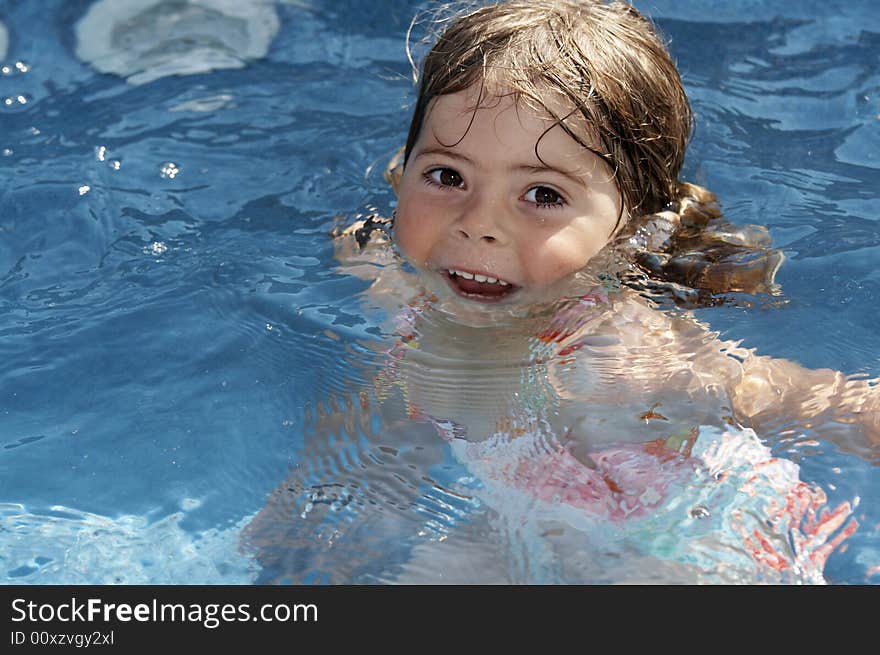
(771, 395)
(767, 393)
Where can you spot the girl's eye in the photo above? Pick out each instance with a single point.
(544, 196)
(445, 177)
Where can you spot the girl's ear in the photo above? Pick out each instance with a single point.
(394, 170)
(394, 176)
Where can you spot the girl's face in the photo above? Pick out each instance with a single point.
(478, 209)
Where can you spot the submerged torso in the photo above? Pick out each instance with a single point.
(592, 431)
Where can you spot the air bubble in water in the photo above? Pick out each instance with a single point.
(17, 100)
(168, 169)
(699, 512)
(155, 248)
(17, 68)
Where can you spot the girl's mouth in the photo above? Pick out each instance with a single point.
(476, 286)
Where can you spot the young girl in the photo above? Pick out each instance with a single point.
(540, 226)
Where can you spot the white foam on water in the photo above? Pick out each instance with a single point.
(68, 546)
(144, 40)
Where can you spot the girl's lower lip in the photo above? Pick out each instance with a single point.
(477, 297)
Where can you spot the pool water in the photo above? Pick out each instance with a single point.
(178, 345)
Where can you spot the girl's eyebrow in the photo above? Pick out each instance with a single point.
(445, 151)
(528, 168)
(550, 169)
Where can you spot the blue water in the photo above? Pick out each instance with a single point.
(168, 333)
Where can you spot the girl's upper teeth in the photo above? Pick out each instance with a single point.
(477, 277)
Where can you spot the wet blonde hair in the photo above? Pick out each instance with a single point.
(625, 102)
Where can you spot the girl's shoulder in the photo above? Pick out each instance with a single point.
(631, 320)
(368, 229)
(364, 248)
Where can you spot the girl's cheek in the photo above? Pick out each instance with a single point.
(407, 233)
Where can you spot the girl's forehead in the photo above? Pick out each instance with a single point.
(468, 103)
(469, 119)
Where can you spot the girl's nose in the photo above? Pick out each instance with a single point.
(481, 221)
(475, 234)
